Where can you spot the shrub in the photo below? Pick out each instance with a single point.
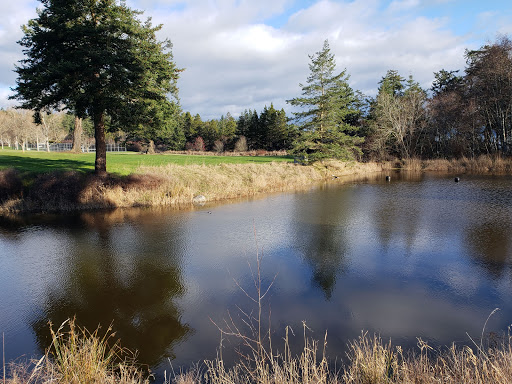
(218, 146)
(241, 144)
(10, 184)
(199, 144)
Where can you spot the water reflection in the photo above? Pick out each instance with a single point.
(321, 231)
(128, 274)
(420, 256)
(490, 245)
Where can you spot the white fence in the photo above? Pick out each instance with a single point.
(64, 147)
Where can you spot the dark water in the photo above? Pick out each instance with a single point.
(420, 256)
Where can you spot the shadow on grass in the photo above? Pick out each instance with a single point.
(62, 190)
(30, 166)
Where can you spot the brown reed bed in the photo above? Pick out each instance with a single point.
(484, 164)
(169, 185)
(177, 185)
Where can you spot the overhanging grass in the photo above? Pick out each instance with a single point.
(36, 188)
(123, 163)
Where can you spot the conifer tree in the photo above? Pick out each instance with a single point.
(326, 101)
(95, 58)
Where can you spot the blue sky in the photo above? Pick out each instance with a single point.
(245, 54)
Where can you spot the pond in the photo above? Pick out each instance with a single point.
(419, 256)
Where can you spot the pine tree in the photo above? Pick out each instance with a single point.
(96, 59)
(327, 100)
(187, 126)
(276, 132)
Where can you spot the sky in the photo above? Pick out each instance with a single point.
(245, 54)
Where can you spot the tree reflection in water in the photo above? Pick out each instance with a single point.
(490, 245)
(321, 227)
(128, 275)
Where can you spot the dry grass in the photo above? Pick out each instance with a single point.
(177, 185)
(308, 367)
(256, 152)
(370, 361)
(77, 356)
(479, 165)
(171, 185)
(10, 184)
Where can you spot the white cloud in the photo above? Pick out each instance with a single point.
(234, 60)
(401, 5)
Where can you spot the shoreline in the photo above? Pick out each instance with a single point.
(170, 185)
(77, 355)
(177, 185)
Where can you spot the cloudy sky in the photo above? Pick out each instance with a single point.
(245, 54)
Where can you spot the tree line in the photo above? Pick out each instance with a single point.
(466, 114)
(99, 63)
(268, 130)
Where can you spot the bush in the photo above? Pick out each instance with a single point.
(134, 146)
(241, 144)
(10, 184)
(199, 144)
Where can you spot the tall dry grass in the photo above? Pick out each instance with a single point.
(170, 185)
(478, 165)
(77, 356)
(177, 185)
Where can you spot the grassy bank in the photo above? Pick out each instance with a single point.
(77, 356)
(43, 182)
(171, 184)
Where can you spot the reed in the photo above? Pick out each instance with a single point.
(177, 185)
(77, 356)
(169, 185)
(484, 164)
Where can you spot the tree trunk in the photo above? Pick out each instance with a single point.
(100, 165)
(77, 136)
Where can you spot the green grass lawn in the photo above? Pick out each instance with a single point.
(122, 163)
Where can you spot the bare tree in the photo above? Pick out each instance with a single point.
(51, 128)
(400, 119)
(20, 126)
(489, 82)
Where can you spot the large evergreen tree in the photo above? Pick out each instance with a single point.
(97, 59)
(326, 102)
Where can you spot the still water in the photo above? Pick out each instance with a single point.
(420, 256)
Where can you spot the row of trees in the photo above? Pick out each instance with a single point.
(268, 130)
(465, 115)
(96, 60)
(18, 128)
